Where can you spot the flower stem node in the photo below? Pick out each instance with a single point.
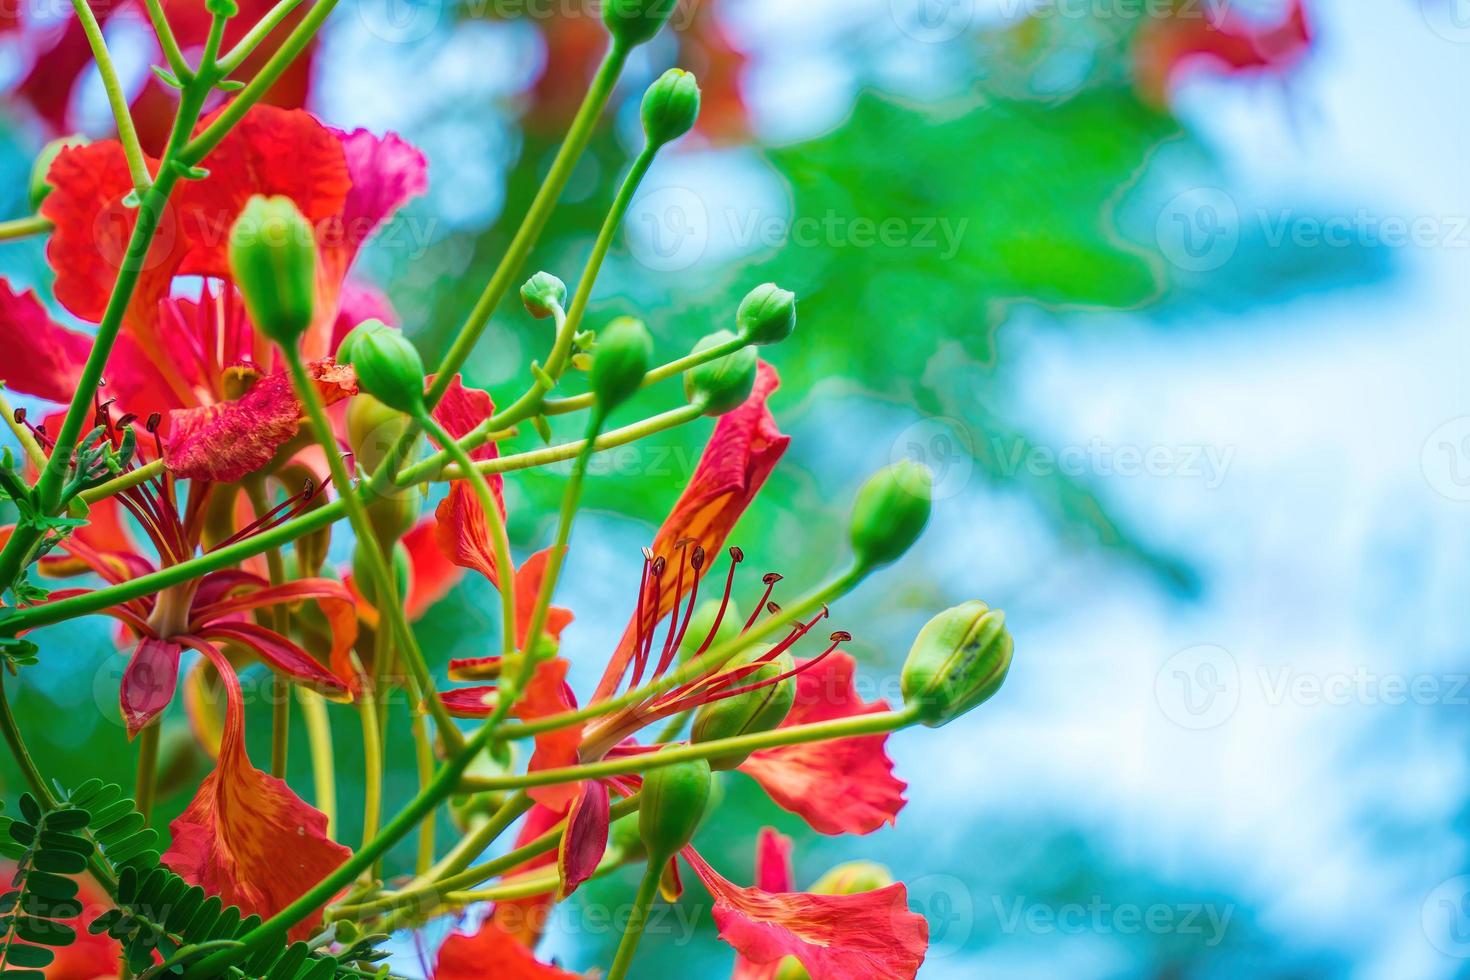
(770, 693)
(388, 365)
(634, 22)
(890, 512)
(673, 803)
(958, 660)
(767, 315)
(543, 294)
(624, 350)
(273, 260)
(670, 107)
(41, 169)
(724, 383)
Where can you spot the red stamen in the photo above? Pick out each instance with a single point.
(770, 578)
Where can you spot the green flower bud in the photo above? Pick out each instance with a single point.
(620, 361)
(624, 837)
(722, 384)
(670, 106)
(958, 660)
(273, 261)
(673, 802)
(852, 878)
(767, 315)
(543, 293)
(41, 169)
(790, 968)
(703, 621)
(890, 512)
(759, 710)
(388, 365)
(634, 22)
(363, 579)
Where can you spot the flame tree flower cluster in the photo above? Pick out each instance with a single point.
(209, 442)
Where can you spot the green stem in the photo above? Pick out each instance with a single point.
(562, 406)
(18, 749)
(877, 723)
(168, 42)
(578, 136)
(28, 442)
(128, 480)
(146, 786)
(117, 99)
(276, 616)
(637, 921)
(24, 227)
(424, 758)
(499, 540)
(372, 763)
(323, 765)
(258, 32)
(475, 842)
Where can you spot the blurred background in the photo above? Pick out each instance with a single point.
(1171, 296)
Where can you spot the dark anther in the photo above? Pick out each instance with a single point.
(771, 578)
(153, 422)
(736, 554)
(126, 420)
(308, 488)
(697, 559)
(772, 608)
(20, 416)
(658, 566)
(683, 543)
(841, 636)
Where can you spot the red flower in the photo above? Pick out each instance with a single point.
(842, 786)
(743, 449)
(1196, 37)
(246, 837)
(491, 951)
(92, 956)
(872, 935)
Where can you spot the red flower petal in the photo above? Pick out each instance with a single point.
(279, 652)
(470, 702)
(335, 601)
(462, 532)
(1168, 47)
(549, 694)
(772, 874)
(226, 441)
(523, 919)
(148, 681)
(742, 451)
(585, 841)
(871, 935)
(246, 837)
(42, 358)
(492, 952)
(844, 786)
(431, 576)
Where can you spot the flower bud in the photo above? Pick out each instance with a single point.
(673, 802)
(625, 839)
(388, 365)
(273, 261)
(703, 621)
(670, 107)
(890, 512)
(633, 22)
(542, 294)
(718, 386)
(41, 169)
(767, 315)
(367, 585)
(958, 660)
(620, 361)
(852, 878)
(758, 710)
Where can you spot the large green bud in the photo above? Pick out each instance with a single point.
(670, 107)
(767, 315)
(388, 365)
(273, 262)
(758, 710)
(703, 621)
(372, 430)
(890, 512)
(634, 22)
(722, 384)
(672, 805)
(853, 878)
(624, 350)
(958, 660)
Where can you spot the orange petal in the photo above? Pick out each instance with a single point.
(492, 952)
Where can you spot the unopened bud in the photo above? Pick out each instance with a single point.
(673, 803)
(633, 22)
(624, 349)
(853, 878)
(273, 261)
(767, 315)
(757, 710)
(543, 294)
(703, 621)
(958, 660)
(890, 512)
(388, 365)
(670, 106)
(722, 384)
(41, 169)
